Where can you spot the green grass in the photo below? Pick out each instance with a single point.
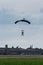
(21, 61)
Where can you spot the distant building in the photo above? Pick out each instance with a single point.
(20, 51)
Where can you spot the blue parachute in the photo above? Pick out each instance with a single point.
(22, 20)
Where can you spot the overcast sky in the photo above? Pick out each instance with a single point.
(12, 10)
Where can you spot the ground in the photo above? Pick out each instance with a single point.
(21, 60)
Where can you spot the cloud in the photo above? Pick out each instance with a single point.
(22, 5)
(11, 34)
(12, 10)
(7, 17)
(41, 10)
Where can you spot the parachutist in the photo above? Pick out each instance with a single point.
(22, 32)
(22, 20)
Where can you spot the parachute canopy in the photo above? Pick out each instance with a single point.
(22, 20)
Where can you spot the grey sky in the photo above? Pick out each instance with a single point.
(16, 9)
(10, 11)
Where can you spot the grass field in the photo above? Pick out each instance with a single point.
(21, 60)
